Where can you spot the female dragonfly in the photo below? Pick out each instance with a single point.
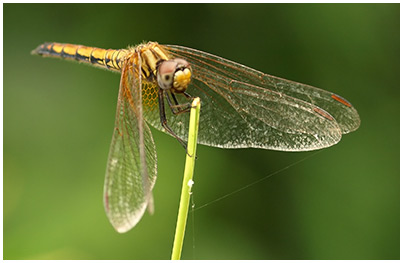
(241, 108)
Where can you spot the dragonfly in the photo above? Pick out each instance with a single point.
(241, 108)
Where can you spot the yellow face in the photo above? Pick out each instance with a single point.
(182, 79)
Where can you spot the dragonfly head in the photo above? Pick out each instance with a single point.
(174, 74)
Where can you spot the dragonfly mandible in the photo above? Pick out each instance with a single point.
(241, 108)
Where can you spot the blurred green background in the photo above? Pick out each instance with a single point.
(342, 203)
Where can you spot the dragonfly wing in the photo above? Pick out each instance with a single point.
(241, 109)
(345, 114)
(132, 162)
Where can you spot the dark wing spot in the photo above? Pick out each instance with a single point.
(341, 100)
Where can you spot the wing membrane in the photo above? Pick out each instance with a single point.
(242, 107)
(132, 162)
(344, 113)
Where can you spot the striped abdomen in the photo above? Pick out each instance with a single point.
(106, 58)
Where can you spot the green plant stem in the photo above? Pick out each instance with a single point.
(187, 180)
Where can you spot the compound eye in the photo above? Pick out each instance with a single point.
(174, 74)
(165, 74)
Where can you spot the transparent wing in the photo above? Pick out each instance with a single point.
(344, 113)
(242, 107)
(132, 162)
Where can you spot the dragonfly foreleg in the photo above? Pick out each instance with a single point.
(174, 105)
(163, 119)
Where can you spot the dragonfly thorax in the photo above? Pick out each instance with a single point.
(174, 74)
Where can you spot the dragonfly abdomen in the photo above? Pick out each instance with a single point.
(106, 58)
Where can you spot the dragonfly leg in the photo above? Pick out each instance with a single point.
(163, 119)
(174, 105)
(188, 96)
